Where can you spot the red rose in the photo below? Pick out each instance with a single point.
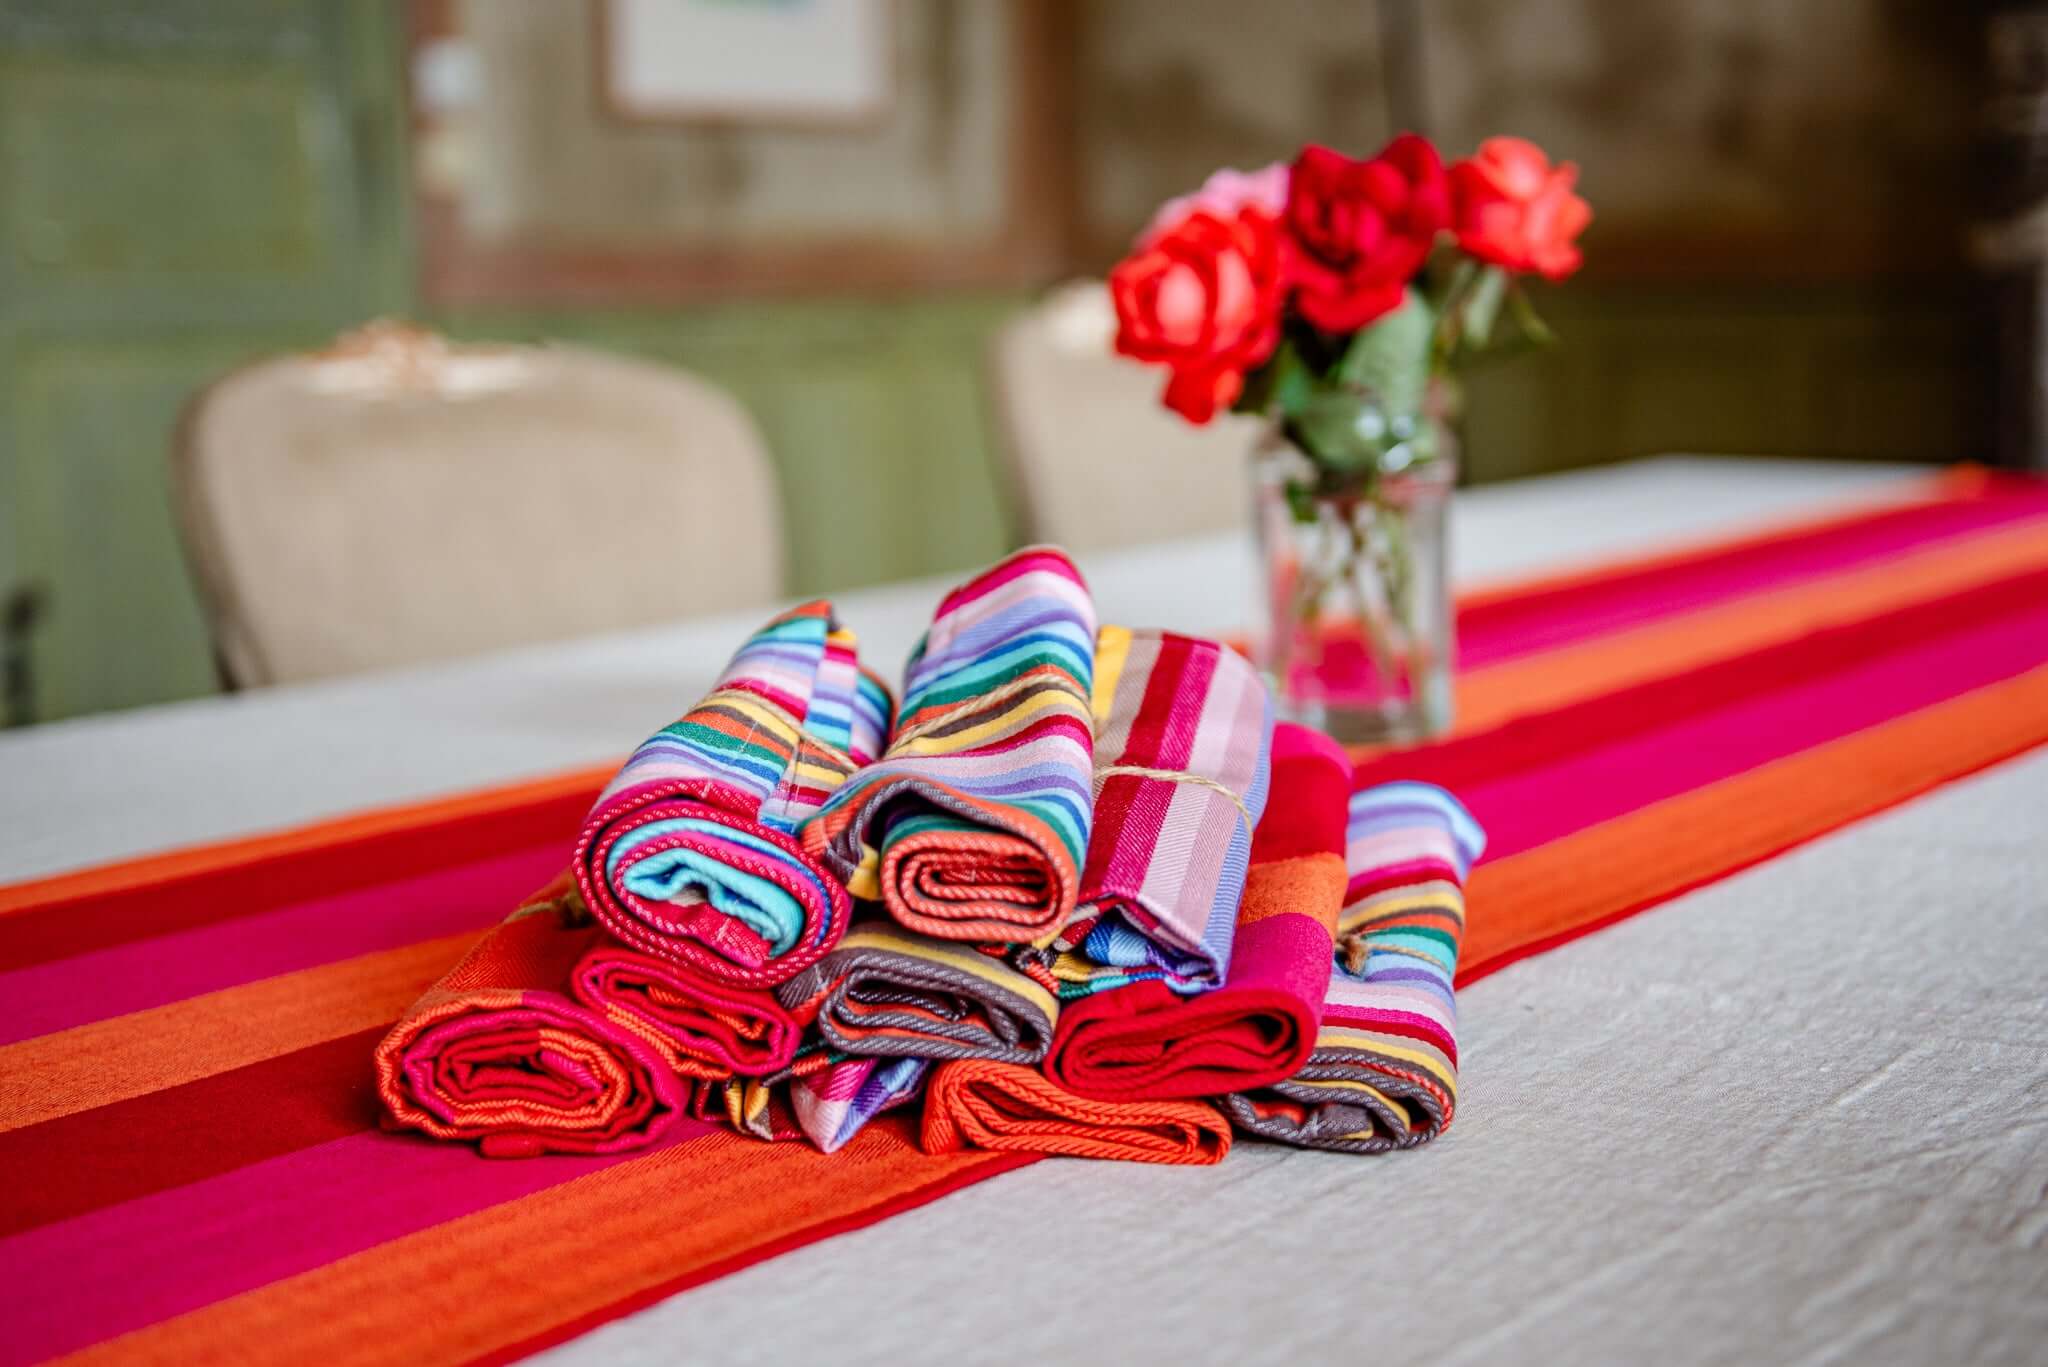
(1363, 228)
(1202, 298)
(1516, 210)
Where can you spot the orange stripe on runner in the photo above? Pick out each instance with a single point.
(512, 1273)
(1531, 901)
(145, 1051)
(1553, 678)
(192, 859)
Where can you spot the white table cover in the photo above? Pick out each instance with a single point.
(1798, 1116)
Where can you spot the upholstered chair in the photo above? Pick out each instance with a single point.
(398, 498)
(1093, 460)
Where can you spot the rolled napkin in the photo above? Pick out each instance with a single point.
(496, 1053)
(973, 825)
(1384, 1074)
(751, 1105)
(704, 1029)
(835, 1103)
(1146, 1042)
(1183, 744)
(977, 1104)
(890, 992)
(828, 1103)
(689, 854)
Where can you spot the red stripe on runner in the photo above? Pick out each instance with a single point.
(182, 1134)
(63, 928)
(1503, 626)
(1548, 738)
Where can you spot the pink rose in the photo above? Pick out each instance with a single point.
(1222, 195)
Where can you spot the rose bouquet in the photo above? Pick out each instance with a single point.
(1336, 299)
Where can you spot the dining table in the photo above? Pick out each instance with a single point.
(1799, 1114)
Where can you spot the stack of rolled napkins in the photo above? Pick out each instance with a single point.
(1079, 895)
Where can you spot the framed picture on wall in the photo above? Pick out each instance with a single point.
(659, 151)
(744, 61)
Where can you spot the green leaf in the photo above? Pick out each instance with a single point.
(1301, 501)
(1459, 281)
(1389, 359)
(1342, 430)
(1482, 306)
(1278, 386)
(1532, 326)
(1293, 388)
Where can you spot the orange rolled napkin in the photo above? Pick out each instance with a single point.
(974, 1103)
(497, 1053)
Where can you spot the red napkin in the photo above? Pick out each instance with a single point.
(706, 1029)
(1143, 1041)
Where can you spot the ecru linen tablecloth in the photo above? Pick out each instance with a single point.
(1799, 1116)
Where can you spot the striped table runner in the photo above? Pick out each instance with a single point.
(187, 1124)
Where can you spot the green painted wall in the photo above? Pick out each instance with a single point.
(183, 186)
(187, 186)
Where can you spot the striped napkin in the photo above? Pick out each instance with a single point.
(1145, 1042)
(974, 1103)
(888, 991)
(1183, 748)
(833, 1104)
(703, 1028)
(973, 826)
(1384, 1073)
(826, 1099)
(495, 1052)
(689, 853)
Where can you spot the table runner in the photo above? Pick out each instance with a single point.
(186, 1037)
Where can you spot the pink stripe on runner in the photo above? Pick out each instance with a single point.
(101, 1274)
(169, 968)
(1522, 810)
(1512, 627)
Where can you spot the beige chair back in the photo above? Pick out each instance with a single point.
(397, 498)
(1094, 460)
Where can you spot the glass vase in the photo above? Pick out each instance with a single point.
(1359, 640)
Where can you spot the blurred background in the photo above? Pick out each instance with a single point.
(1811, 238)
